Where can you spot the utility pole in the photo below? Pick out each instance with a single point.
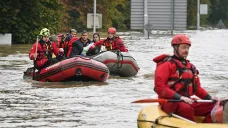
(94, 16)
(198, 14)
(172, 28)
(145, 17)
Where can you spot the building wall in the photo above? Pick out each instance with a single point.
(159, 14)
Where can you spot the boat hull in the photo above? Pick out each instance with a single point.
(149, 114)
(119, 63)
(72, 69)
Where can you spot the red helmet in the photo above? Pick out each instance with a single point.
(180, 39)
(112, 30)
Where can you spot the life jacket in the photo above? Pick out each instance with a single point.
(45, 51)
(182, 81)
(113, 44)
(68, 46)
(60, 44)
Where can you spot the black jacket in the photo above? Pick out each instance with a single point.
(77, 47)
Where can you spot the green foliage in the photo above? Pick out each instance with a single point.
(219, 11)
(25, 18)
(77, 13)
(75, 21)
(192, 13)
(116, 13)
(204, 17)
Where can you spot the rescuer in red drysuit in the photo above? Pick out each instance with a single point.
(177, 78)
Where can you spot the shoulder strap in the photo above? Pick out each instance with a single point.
(178, 67)
(185, 82)
(194, 72)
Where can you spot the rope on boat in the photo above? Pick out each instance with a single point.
(154, 122)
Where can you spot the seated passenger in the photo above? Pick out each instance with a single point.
(112, 43)
(79, 47)
(69, 40)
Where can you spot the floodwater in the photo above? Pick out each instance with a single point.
(25, 103)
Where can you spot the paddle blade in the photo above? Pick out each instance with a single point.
(150, 101)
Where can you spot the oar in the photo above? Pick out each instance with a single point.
(167, 100)
(170, 100)
(34, 62)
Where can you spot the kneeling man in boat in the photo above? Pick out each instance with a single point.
(177, 78)
(41, 51)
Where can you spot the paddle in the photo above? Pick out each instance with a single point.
(34, 62)
(167, 100)
(170, 100)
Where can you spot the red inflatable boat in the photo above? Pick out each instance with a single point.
(73, 69)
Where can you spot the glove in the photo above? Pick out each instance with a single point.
(103, 48)
(61, 50)
(208, 97)
(33, 56)
(92, 47)
(186, 99)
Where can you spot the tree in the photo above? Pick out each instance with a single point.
(192, 12)
(24, 19)
(204, 17)
(219, 11)
(116, 13)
